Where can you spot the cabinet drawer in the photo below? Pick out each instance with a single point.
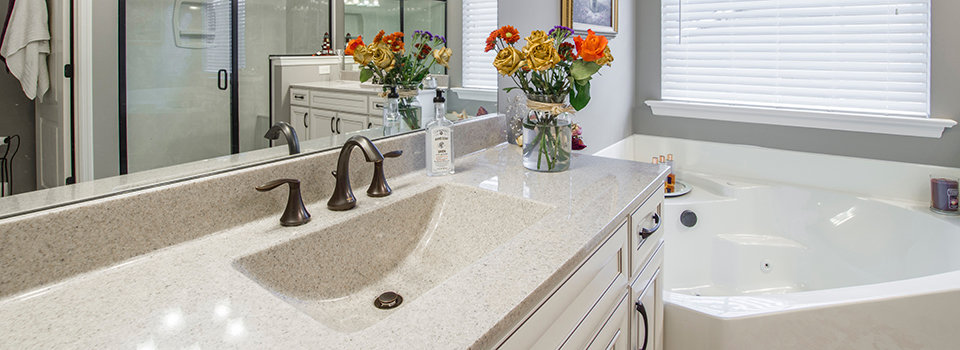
(615, 333)
(299, 97)
(597, 284)
(645, 221)
(376, 105)
(353, 103)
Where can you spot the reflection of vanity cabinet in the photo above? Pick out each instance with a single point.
(613, 300)
(333, 108)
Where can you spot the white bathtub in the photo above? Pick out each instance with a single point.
(778, 266)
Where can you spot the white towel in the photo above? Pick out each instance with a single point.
(27, 45)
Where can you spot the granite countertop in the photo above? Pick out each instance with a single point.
(191, 294)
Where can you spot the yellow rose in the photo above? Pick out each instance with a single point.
(442, 56)
(382, 56)
(542, 56)
(362, 55)
(606, 59)
(537, 37)
(508, 60)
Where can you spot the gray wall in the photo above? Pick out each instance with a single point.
(945, 104)
(607, 119)
(17, 117)
(106, 89)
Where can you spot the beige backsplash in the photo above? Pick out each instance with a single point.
(44, 247)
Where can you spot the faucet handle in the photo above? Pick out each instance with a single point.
(379, 186)
(295, 213)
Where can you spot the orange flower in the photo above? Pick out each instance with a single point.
(492, 40)
(353, 44)
(397, 46)
(592, 48)
(378, 38)
(509, 34)
(389, 39)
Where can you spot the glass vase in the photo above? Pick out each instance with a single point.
(409, 107)
(547, 139)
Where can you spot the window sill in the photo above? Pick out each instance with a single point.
(892, 125)
(476, 94)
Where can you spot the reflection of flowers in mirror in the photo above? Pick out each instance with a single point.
(362, 3)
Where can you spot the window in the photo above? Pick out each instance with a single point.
(479, 19)
(838, 59)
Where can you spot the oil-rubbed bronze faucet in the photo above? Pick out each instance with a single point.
(378, 186)
(296, 213)
(343, 198)
(293, 144)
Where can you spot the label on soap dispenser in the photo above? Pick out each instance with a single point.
(442, 157)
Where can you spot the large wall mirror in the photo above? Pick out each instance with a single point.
(147, 92)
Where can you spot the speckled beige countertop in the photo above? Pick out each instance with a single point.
(191, 295)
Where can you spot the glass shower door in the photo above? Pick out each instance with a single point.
(178, 97)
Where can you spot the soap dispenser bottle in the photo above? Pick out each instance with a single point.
(439, 140)
(391, 111)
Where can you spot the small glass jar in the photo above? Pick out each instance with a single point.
(944, 195)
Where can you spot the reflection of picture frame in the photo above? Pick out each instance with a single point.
(599, 15)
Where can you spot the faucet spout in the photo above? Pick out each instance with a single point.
(343, 198)
(293, 144)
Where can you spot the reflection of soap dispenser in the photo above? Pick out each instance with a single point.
(391, 111)
(439, 140)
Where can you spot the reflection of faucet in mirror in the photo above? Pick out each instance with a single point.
(292, 142)
(343, 198)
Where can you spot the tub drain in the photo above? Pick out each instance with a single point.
(388, 300)
(765, 266)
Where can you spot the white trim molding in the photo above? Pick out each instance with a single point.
(83, 66)
(476, 94)
(878, 124)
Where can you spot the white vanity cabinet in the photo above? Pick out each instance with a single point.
(318, 112)
(604, 303)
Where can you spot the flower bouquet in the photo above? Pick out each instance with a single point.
(550, 70)
(387, 62)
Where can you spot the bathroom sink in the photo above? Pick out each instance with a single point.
(408, 247)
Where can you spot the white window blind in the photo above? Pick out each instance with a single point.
(479, 19)
(851, 56)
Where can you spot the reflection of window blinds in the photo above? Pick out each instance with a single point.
(479, 19)
(217, 54)
(862, 56)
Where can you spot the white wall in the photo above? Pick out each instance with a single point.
(608, 117)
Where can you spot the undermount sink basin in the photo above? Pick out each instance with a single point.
(408, 247)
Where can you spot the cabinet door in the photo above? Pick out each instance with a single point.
(351, 122)
(321, 123)
(615, 333)
(299, 117)
(575, 312)
(647, 319)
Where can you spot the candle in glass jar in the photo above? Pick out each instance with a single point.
(943, 194)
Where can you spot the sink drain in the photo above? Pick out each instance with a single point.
(388, 300)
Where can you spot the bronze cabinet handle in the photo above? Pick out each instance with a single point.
(295, 214)
(645, 233)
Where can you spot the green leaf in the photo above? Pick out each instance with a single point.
(365, 74)
(582, 70)
(580, 94)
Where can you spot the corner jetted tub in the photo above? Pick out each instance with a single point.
(774, 266)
